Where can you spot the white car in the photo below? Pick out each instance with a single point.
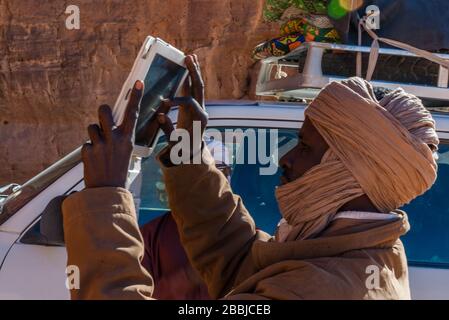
(33, 256)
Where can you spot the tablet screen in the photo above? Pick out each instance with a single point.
(161, 82)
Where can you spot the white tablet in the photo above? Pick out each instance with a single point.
(161, 67)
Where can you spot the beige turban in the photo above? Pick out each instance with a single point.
(377, 148)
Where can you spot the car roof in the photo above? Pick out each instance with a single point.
(252, 103)
(441, 118)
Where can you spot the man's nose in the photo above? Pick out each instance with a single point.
(285, 162)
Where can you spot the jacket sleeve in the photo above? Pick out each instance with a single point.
(215, 228)
(103, 241)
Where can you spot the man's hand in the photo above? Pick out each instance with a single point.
(191, 107)
(106, 158)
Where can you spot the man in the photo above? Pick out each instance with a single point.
(167, 262)
(357, 161)
(165, 258)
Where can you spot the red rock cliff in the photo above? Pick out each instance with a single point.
(52, 79)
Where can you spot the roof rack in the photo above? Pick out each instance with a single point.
(306, 84)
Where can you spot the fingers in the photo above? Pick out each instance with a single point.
(197, 80)
(85, 150)
(149, 132)
(132, 110)
(106, 120)
(165, 106)
(165, 124)
(187, 88)
(192, 104)
(195, 57)
(94, 133)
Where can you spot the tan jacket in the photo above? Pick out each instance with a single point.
(351, 259)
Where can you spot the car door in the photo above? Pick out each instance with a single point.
(32, 269)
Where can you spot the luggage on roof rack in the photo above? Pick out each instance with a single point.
(299, 74)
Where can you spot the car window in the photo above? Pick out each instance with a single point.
(256, 190)
(153, 199)
(427, 242)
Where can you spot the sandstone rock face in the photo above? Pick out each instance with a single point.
(52, 79)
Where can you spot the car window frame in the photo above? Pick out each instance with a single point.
(429, 264)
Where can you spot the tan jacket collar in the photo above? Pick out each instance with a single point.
(340, 236)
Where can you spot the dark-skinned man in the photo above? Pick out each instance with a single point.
(357, 161)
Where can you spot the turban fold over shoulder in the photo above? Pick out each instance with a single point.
(378, 148)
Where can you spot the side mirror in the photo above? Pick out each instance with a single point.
(49, 231)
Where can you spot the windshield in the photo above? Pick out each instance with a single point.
(33, 187)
